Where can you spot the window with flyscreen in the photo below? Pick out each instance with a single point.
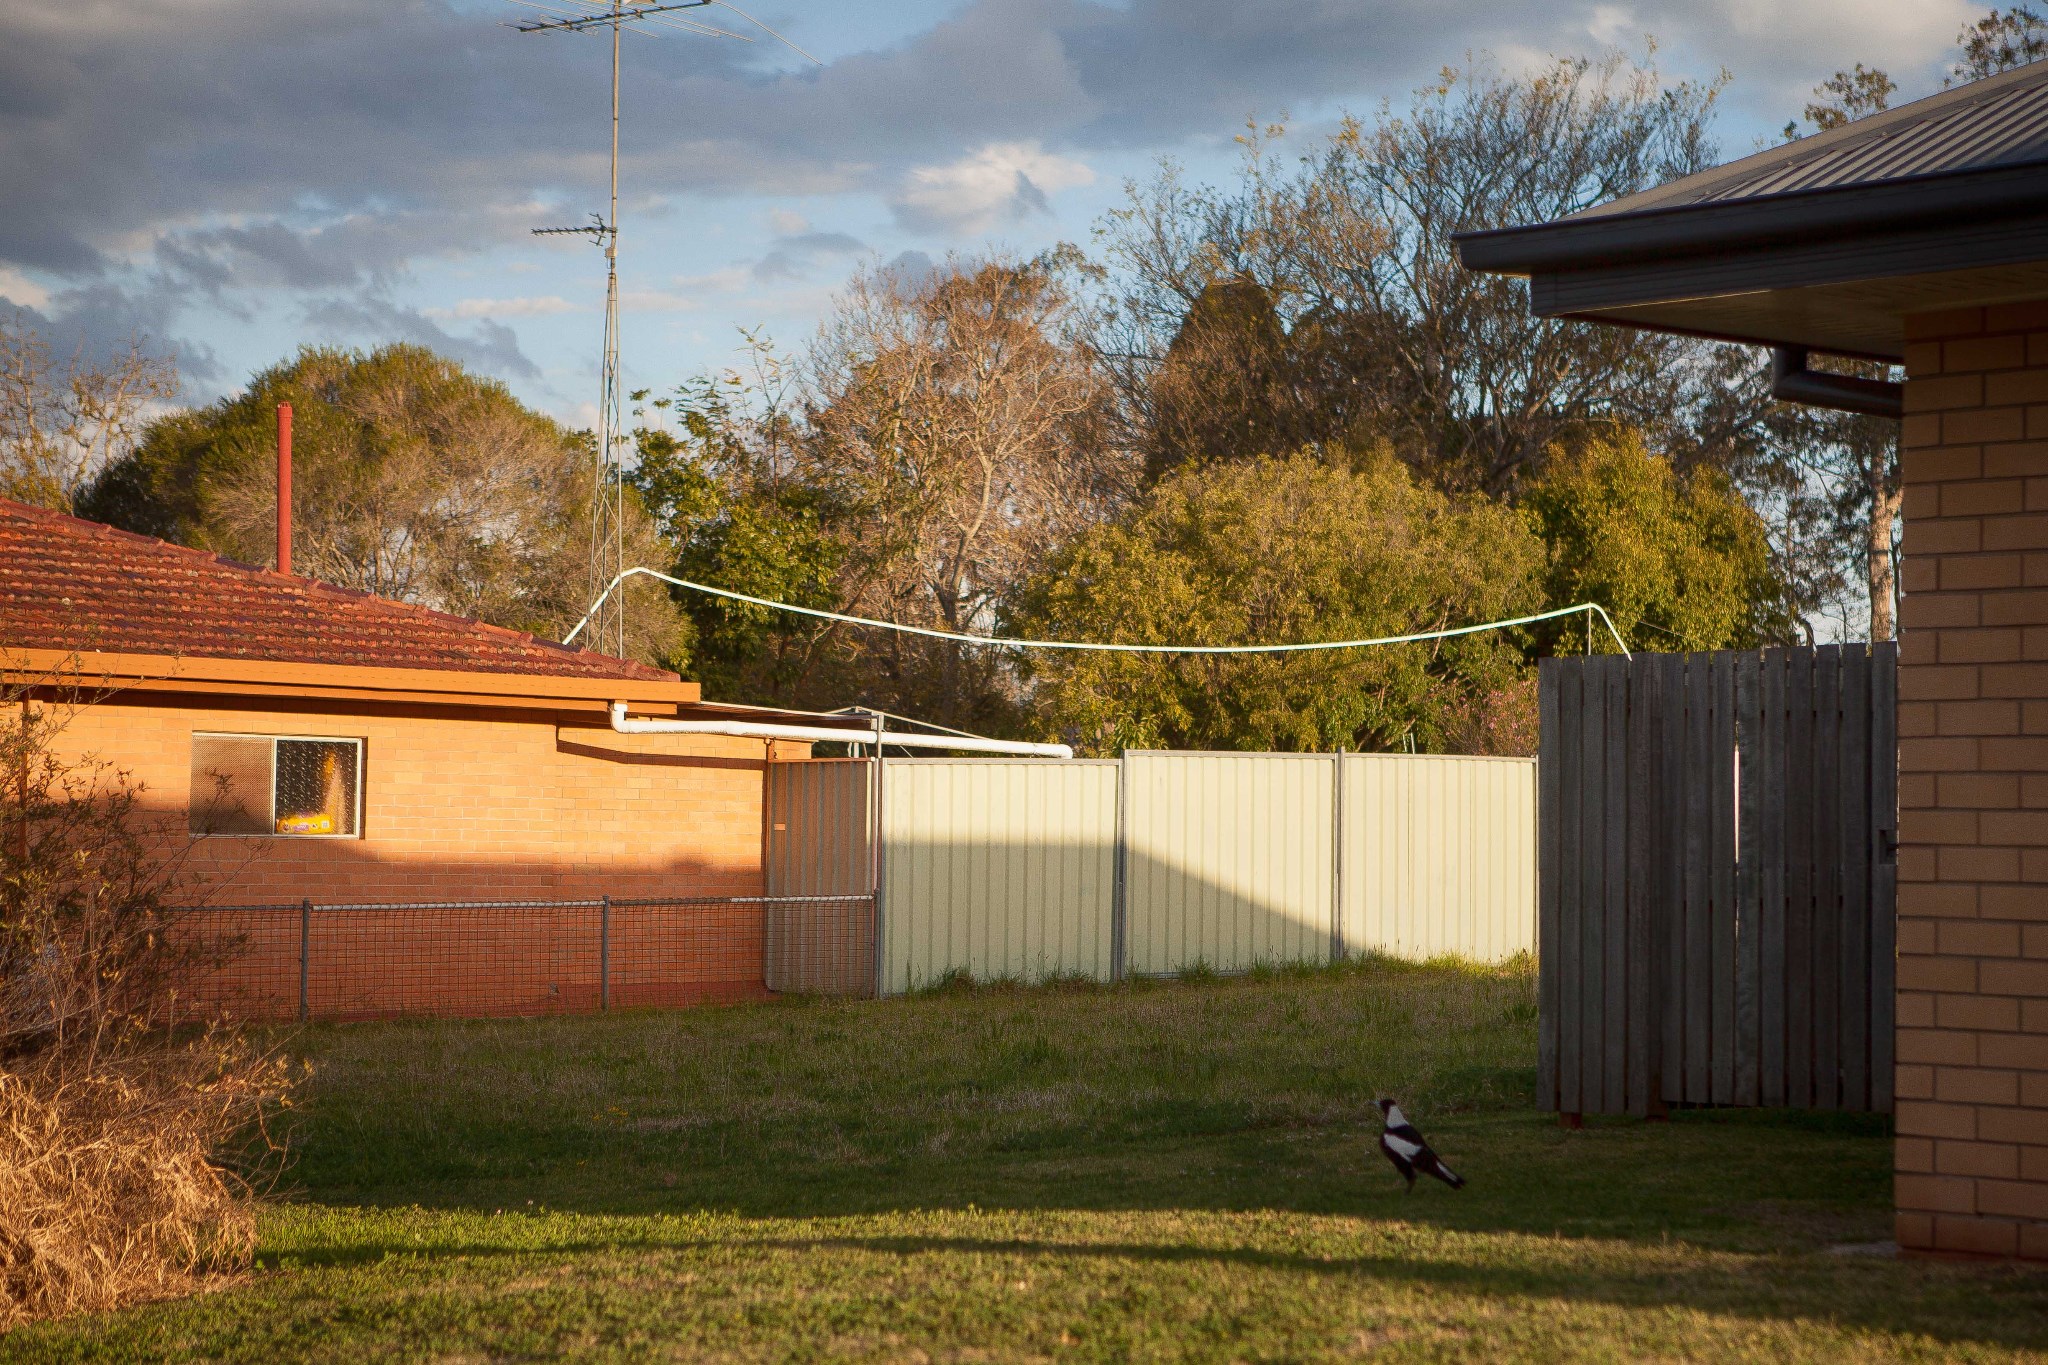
(276, 785)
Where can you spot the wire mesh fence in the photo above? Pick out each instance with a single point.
(509, 958)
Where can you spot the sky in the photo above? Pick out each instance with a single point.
(232, 179)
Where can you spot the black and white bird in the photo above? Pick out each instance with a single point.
(1409, 1153)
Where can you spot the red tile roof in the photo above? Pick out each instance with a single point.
(78, 585)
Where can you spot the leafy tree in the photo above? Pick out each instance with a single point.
(919, 460)
(1845, 97)
(62, 422)
(1384, 331)
(1315, 546)
(1226, 387)
(955, 415)
(412, 479)
(2000, 41)
(722, 486)
(1679, 560)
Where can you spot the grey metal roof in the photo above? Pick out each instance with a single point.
(1827, 243)
(1994, 123)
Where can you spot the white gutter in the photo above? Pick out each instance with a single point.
(822, 733)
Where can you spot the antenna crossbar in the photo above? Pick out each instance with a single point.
(625, 14)
(608, 486)
(597, 230)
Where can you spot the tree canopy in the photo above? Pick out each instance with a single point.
(63, 420)
(1275, 409)
(916, 464)
(1319, 545)
(1323, 300)
(1680, 561)
(412, 478)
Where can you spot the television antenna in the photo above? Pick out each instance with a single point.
(608, 491)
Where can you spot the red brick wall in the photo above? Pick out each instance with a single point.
(470, 805)
(1972, 1151)
(464, 805)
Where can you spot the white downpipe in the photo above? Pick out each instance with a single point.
(824, 733)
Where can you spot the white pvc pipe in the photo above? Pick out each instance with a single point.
(821, 733)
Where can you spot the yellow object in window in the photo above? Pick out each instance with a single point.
(319, 822)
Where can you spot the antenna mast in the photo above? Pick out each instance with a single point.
(608, 492)
(608, 487)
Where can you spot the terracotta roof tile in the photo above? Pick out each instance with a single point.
(78, 585)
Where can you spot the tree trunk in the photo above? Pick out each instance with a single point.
(1884, 514)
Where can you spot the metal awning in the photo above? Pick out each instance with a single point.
(1825, 243)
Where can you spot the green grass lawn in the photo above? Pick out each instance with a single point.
(1171, 1172)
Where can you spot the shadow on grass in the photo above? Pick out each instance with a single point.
(999, 1120)
(1617, 1179)
(1250, 1096)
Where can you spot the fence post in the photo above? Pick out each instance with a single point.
(604, 954)
(877, 857)
(1119, 900)
(305, 956)
(1337, 949)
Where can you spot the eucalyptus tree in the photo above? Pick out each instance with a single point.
(64, 419)
(1325, 297)
(412, 479)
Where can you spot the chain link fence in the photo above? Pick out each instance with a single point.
(508, 958)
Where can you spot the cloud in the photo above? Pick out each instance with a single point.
(1612, 25)
(687, 293)
(490, 347)
(659, 301)
(102, 319)
(17, 288)
(795, 257)
(465, 309)
(160, 160)
(300, 140)
(1777, 53)
(1002, 182)
(913, 268)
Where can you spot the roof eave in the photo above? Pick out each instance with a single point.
(97, 670)
(1691, 230)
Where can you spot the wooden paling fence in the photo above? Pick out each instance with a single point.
(1715, 908)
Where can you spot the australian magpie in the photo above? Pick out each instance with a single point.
(1409, 1153)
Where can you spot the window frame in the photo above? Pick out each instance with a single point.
(361, 747)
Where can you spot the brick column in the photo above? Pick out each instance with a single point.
(1972, 1153)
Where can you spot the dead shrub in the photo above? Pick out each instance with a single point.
(129, 1127)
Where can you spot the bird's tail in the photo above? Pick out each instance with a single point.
(1447, 1175)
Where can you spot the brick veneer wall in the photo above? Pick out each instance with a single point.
(1972, 1149)
(461, 805)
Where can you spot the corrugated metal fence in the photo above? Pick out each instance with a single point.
(1439, 856)
(1229, 860)
(997, 868)
(1162, 862)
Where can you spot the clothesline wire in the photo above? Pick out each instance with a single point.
(1004, 642)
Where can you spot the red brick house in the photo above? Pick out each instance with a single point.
(1917, 236)
(375, 751)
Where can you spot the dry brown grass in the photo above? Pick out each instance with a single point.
(116, 1107)
(110, 1191)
